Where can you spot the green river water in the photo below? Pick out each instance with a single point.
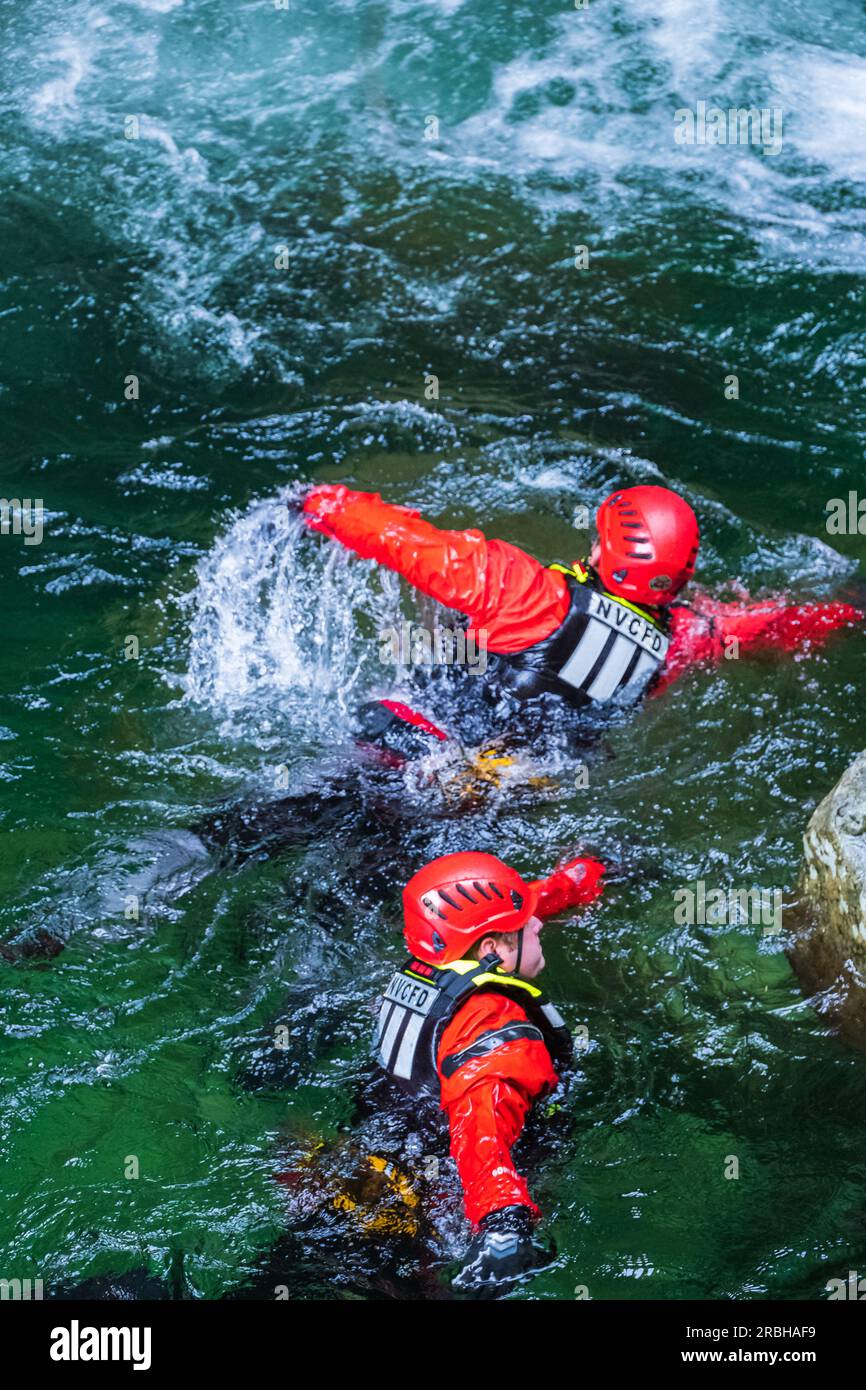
(155, 257)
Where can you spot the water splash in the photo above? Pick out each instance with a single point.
(285, 623)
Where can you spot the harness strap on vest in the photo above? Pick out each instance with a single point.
(498, 977)
(581, 575)
(420, 1000)
(575, 571)
(488, 1042)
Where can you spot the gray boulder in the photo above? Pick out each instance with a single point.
(829, 921)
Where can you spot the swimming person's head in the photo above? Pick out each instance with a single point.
(647, 544)
(473, 905)
(520, 952)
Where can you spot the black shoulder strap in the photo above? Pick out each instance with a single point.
(488, 1042)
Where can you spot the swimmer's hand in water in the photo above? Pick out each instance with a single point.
(576, 884)
(323, 502)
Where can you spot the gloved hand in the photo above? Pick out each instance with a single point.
(321, 502)
(577, 884)
(586, 876)
(503, 1252)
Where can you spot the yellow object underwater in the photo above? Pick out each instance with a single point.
(484, 772)
(371, 1191)
(384, 1201)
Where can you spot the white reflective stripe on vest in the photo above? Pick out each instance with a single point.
(585, 654)
(606, 618)
(613, 670)
(553, 1016)
(406, 1055)
(384, 1015)
(390, 1035)
(646, 665)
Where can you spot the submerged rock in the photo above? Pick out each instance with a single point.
(829, 951)
(34, 943)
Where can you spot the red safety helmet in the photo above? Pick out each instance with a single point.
(648, 541)
(455, 900)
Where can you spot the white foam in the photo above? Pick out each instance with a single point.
(156, 6)
(59, 93)
(631, 70)
(274, 620)
(828, 93)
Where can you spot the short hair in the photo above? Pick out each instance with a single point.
(508, 938)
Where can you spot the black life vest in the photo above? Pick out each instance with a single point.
(420, 1000)
(605, 649)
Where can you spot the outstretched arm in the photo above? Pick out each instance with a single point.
(707, 631)
(497, 586)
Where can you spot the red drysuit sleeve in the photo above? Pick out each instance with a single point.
(502, 590)
(576, 884)
(487, 1100)
(705, 629)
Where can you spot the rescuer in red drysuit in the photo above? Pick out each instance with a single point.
(461, 1021)
(601, 633)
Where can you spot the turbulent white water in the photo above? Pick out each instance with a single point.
(283, 621)
(157, 154)
(596, 109)
(581, 115)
